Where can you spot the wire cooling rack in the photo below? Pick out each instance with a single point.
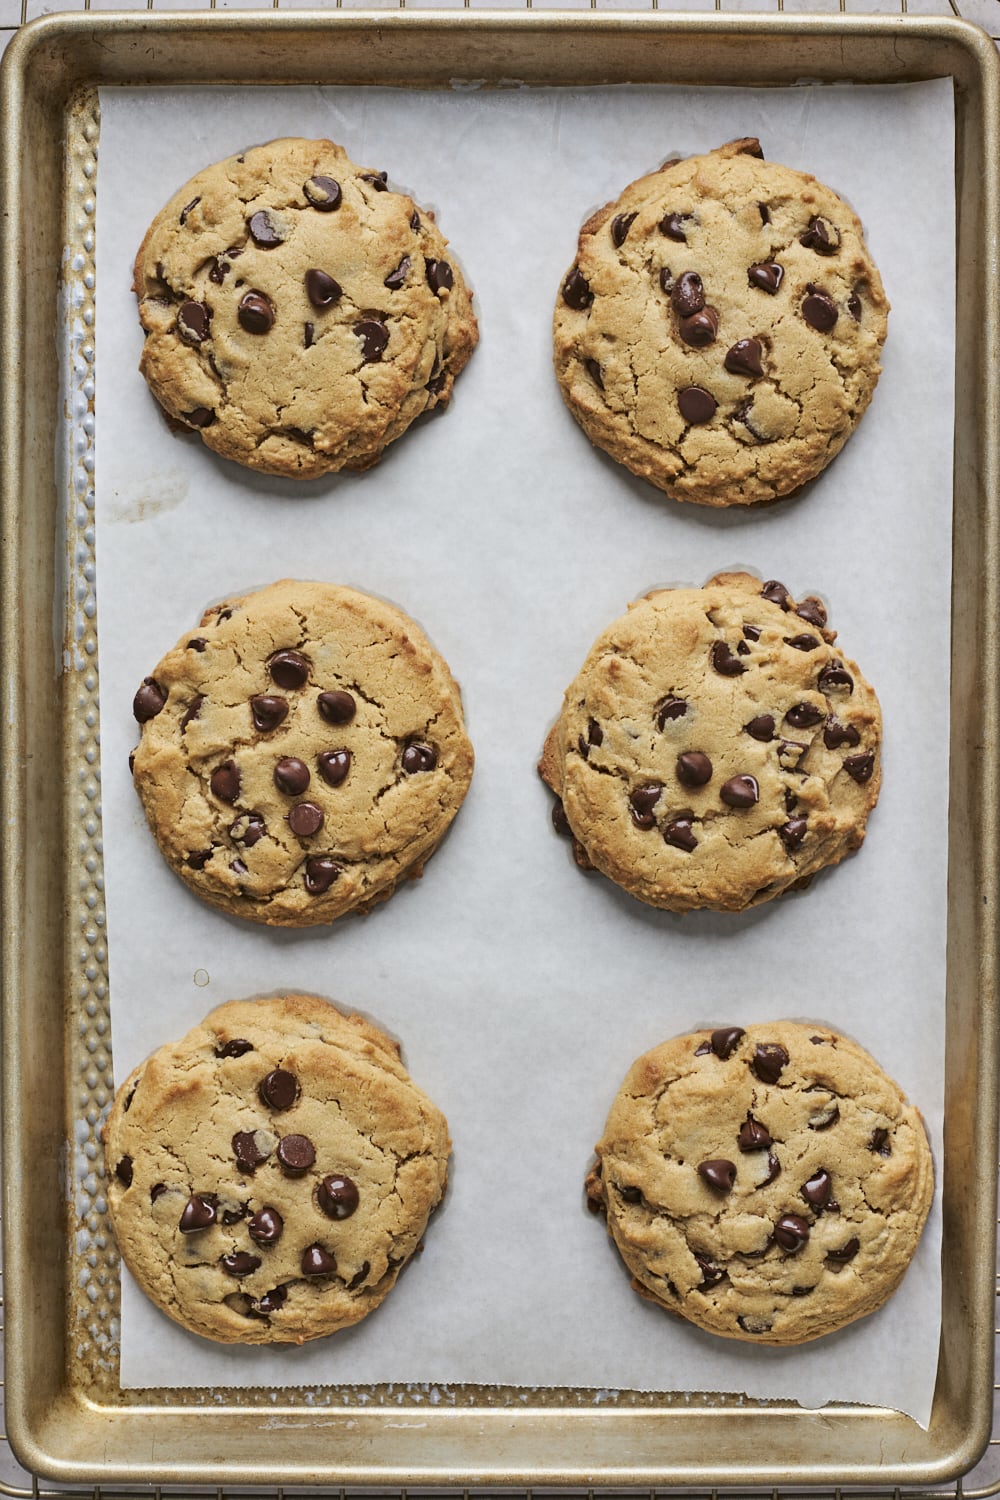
(984, 1480)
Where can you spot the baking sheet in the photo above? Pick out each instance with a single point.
(522, 990)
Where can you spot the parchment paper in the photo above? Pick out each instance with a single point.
(520, 988)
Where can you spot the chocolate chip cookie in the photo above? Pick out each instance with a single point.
(299, 313)
(302, 751)
(715, 748)
(768, 1183)
(720, 329)
(270, 1174)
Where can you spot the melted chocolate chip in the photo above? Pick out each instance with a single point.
(255, 312)
(192, 322)
(317, 1262)
(267, 712)
(199, 859)
(323, 193)
(248, 1151)
(791, 1233)
(123, 1171)
(860, 767)
(157, 1191)
(374, 338)
(378, 180)
(817, 1190)
(197, 643)
(845, 1253)
(761, 728)
(225, 781)
(765, 213)
(679, 833)
(776, 593)
(308, 335)
(835, 675)
(337, 1196)
(576, 291)
(740, 791)
(266, 1226)
(248, 830)
(773, 1170)
(880, 1143)
(417, 757)
(199, 1213)
(593, 369)
(201, 416)
(835, 735)
(711, 1274)
(148, 701)
(359, 1276)
(671, 708)
(854, 306)
(671, 226)
(700, 329)
(769, 1059)
(744, 358)
(334, 765)
(560, 822)
(792, 833)
(824, 1118)
(694, 768)
(642, 800)
(801, 642)
(766, 275)
(320, 873)
(279, 1090)
(275, 1299)
(296, 1153)
(753, 1135)
(688, 294)
(187, 209)
(819, 309)
(397, 278)
(263, 230)
(291, 775)
(718, 1173)
(725, 1040)
(336, 707)
(620, 226)
(305, 819)
(821, 236)
(238, 1046)
(804, 715)
(724, 661)
(289, 669)
(192, 711)
(322, 290)
(813, 610)
(239, 1263)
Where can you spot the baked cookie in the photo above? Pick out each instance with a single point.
(270, 1174)
(302, 751)
(299, 314)
(768, 1184)
(719, 331)
(715, 748)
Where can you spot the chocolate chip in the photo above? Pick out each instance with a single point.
(751, 1324)
(201, 416)
(791, 1232)
(239, 868)
(593, 369)
(149, 700)
(688, 294)
(418, 757)
(378, 180)
(187, 209)
(397, 278)
(308, 335)
(266, 1226)
(694, 768)
(743, 358)
(725, 1039)
(801, 642)
(700, 329)
(769, 1059)
(263, 230)
(792, 833)
(767, 275)
(752, 632)
(291, 775)
(718, 1173)
(414, 221)
(276, 1298)
(199, 859)
(305, 819)
(670, 708)
(323, 193)
(192, 711)
(761, 728)
(776, 593)
(817, 1190)
(239, 1263)
(248, 829)
(322, 290)
(157, 1191)
(835, 735)
(576, 291)
(742, 648)
(334, 765)
(835, 675)
(711, 1274)
(620, 226)
(813, 610)
(879, 1143)
(773, 1171)
(289, 669)
(560, 822)
(740, 791)
(267, 712)
(670, 225)
(123, 1171)
(753, 1135)
(678, 832)
(860, 767)
(192, 322)
(854, 306)
(248, 1150)
(217, 271)
(845, 1253)
(696, 404)
(821, 236)
(225, 781)
(197, 643)
(279, 1090)
(296, 1153)
(667, 279)
(374, 338)
(765, 213)
(819, 309)
(337, 1196)
(724, 661)
(642, 801)
(238, 1046)
(791, 801)
(336, 707)
(255, 312)
(823, 1119)
(320, 873)
(317, 1262)
(804, 715)
(199, 1213)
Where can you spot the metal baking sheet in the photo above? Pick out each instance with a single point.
(485, 1434)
